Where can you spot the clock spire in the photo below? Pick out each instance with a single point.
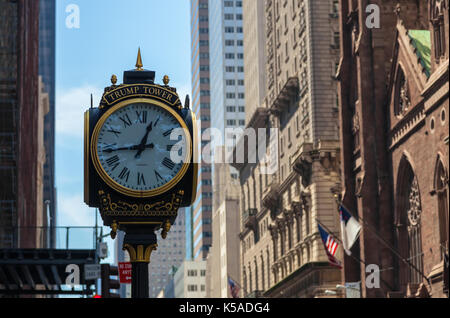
(139, 64)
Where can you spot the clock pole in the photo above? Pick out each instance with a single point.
(140, 242)
(138, 213)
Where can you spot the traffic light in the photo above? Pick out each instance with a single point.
(107, 282)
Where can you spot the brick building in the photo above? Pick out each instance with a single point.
(394, 108)
(19, 122)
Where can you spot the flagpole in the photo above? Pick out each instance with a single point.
(392, 249)
(351, 255)
(337, 237)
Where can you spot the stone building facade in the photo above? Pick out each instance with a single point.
(282, 254)
(221, 262)
(394, 140)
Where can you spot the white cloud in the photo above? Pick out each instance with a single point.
(70, 107)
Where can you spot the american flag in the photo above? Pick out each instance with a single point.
(234, 288)
(330, 245)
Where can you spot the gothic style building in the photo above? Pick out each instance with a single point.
(394, 108)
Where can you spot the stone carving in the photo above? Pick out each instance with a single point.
(404, 101)
(304, 168)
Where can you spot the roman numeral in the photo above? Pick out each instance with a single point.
(126, 120)
(113, 162)
(142, 116)
(156, 122)
(141, 179)
(158, 176)
(124, 174)
(167, 133)
(115, 132)
(168, 163)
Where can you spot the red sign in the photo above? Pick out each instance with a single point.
(125, 272)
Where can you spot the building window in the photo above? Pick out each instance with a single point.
(402, 99)
(409, 215)
(192, 288)
(440, 184)
(192, 273)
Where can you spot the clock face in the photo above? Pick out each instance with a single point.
(142, 146)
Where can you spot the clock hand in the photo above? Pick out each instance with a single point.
(141, 146)
(135, 147)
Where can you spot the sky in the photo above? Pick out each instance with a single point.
(104, 41)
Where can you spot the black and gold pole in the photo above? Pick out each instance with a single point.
(140, 243)
(137, 193)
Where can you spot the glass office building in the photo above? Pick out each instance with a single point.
(198, 218)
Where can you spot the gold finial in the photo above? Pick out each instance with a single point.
(114, 228)
(166, 80)
(166, 229)
(114, 79)
(139, 64)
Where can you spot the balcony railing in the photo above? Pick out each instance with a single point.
(62, 237)
(247, 214)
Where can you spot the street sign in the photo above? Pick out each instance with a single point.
(125, 272)
(92, 271)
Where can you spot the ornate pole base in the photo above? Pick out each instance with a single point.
(140, 244)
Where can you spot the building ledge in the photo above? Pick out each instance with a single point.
(258, 120)
(289, 90)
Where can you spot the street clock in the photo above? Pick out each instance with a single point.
(140, 157)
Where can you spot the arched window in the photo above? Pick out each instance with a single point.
(262, 273)
(402, 100)
(268, 268)
(440, 184)
(244, 275)
(299, 227)
(289, 226)
(409, 213)
(250, 289)
(256, 275)
(438, 8)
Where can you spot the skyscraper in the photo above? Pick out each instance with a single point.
(198, 219)
(168, 257)
(47, 34)
(226, 39)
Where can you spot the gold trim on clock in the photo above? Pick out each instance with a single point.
(195, 158)
(120, 188)
(86, 157)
